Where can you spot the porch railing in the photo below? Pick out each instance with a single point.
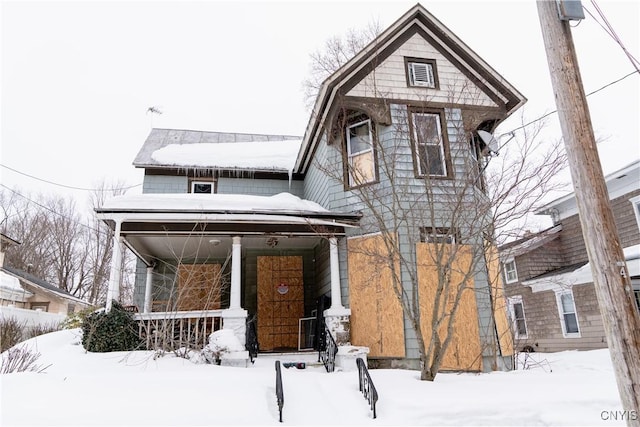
(279, 389)
(366, 385)
(328, 349)
(176, 329)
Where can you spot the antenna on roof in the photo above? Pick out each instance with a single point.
(491, 144)
(154, 109)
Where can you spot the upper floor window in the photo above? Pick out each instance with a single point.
(202, 187)
(361, 158)
(510, 271)
(421, 72)
(516, 309)
(568, 314)
(429, 144)
(437, 235)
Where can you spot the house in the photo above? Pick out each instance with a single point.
(22, 290)
(548, 280)
(233, 227)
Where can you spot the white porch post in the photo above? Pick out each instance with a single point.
(147, 290)
(113, 292)
(236, 279)
(337, 317)
(336, 293)
(235, 317)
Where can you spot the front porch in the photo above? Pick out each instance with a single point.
(200, 272)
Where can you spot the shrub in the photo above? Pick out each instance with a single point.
(75, 320)
(20, 359)
(11, 332)
(114, 331)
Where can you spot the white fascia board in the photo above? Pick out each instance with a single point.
(198, 217)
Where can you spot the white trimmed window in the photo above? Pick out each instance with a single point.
(568, 314)
(202, 187)
(516, 309)
(510, 271)
(421, 74)
(429, 144)
(636, 208)
(360, 154)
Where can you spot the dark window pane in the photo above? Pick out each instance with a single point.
(199, 188)
(571, 323)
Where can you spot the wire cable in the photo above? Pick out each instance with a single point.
(66, 186)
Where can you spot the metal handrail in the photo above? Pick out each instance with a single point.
(366, 385)
(279, 390)
(328, 349)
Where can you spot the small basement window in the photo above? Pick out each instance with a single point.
(421, 72)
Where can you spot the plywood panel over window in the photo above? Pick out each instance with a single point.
(199, 286)
(499, 301)
(376, 313)
(464, 351)
(280, 301)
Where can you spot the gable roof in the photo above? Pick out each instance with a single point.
(38, 282)
(529, 242)
(208, 150)
(419, 20)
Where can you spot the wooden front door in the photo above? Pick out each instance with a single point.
(280, 301)
(199, 287)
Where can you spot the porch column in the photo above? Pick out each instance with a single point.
(147, 290)
(235, 317)
(113, 293)
(337, 317)
(336, 293)
(236, 279)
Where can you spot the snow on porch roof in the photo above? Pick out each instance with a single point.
(175, 148)
(227, 203)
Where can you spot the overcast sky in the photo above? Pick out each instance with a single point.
(78, 77)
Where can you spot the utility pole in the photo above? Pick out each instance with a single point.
(610, 275)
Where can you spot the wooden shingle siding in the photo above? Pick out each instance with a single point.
(259, 187)
(541, 260)
(389, 79)
(626, 224)
(159, 184)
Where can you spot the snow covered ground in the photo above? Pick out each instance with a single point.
(133, 389)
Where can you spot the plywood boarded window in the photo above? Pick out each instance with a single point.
(376, 313)
(199, 287)
(280, 301)
(464, 351)
(498, 300)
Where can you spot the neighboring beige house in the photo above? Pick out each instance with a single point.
(23, 290)
(548, 280)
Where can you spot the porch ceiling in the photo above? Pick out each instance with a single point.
(189, 247)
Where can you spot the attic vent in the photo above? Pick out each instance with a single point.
(421, 74)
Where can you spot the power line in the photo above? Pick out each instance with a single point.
(63, 185)
(555, 111)
(51, 210)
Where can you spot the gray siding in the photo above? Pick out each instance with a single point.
(158, 184)
(259, 187)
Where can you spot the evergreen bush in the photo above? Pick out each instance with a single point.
(114, 331)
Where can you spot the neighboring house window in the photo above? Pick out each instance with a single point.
(361, 159)
(71, 308)
(421, 72)
(510, 271)
(568, 315)
(636, 291)
(429, 144)
(636, 208)
(437, 235)
(44, 306)
(203, 187)
(516, 309)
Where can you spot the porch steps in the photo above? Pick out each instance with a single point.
(309, 358)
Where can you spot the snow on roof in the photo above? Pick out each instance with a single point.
(255, 155)
(283, 202)
(11, 290)
(8, 281)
